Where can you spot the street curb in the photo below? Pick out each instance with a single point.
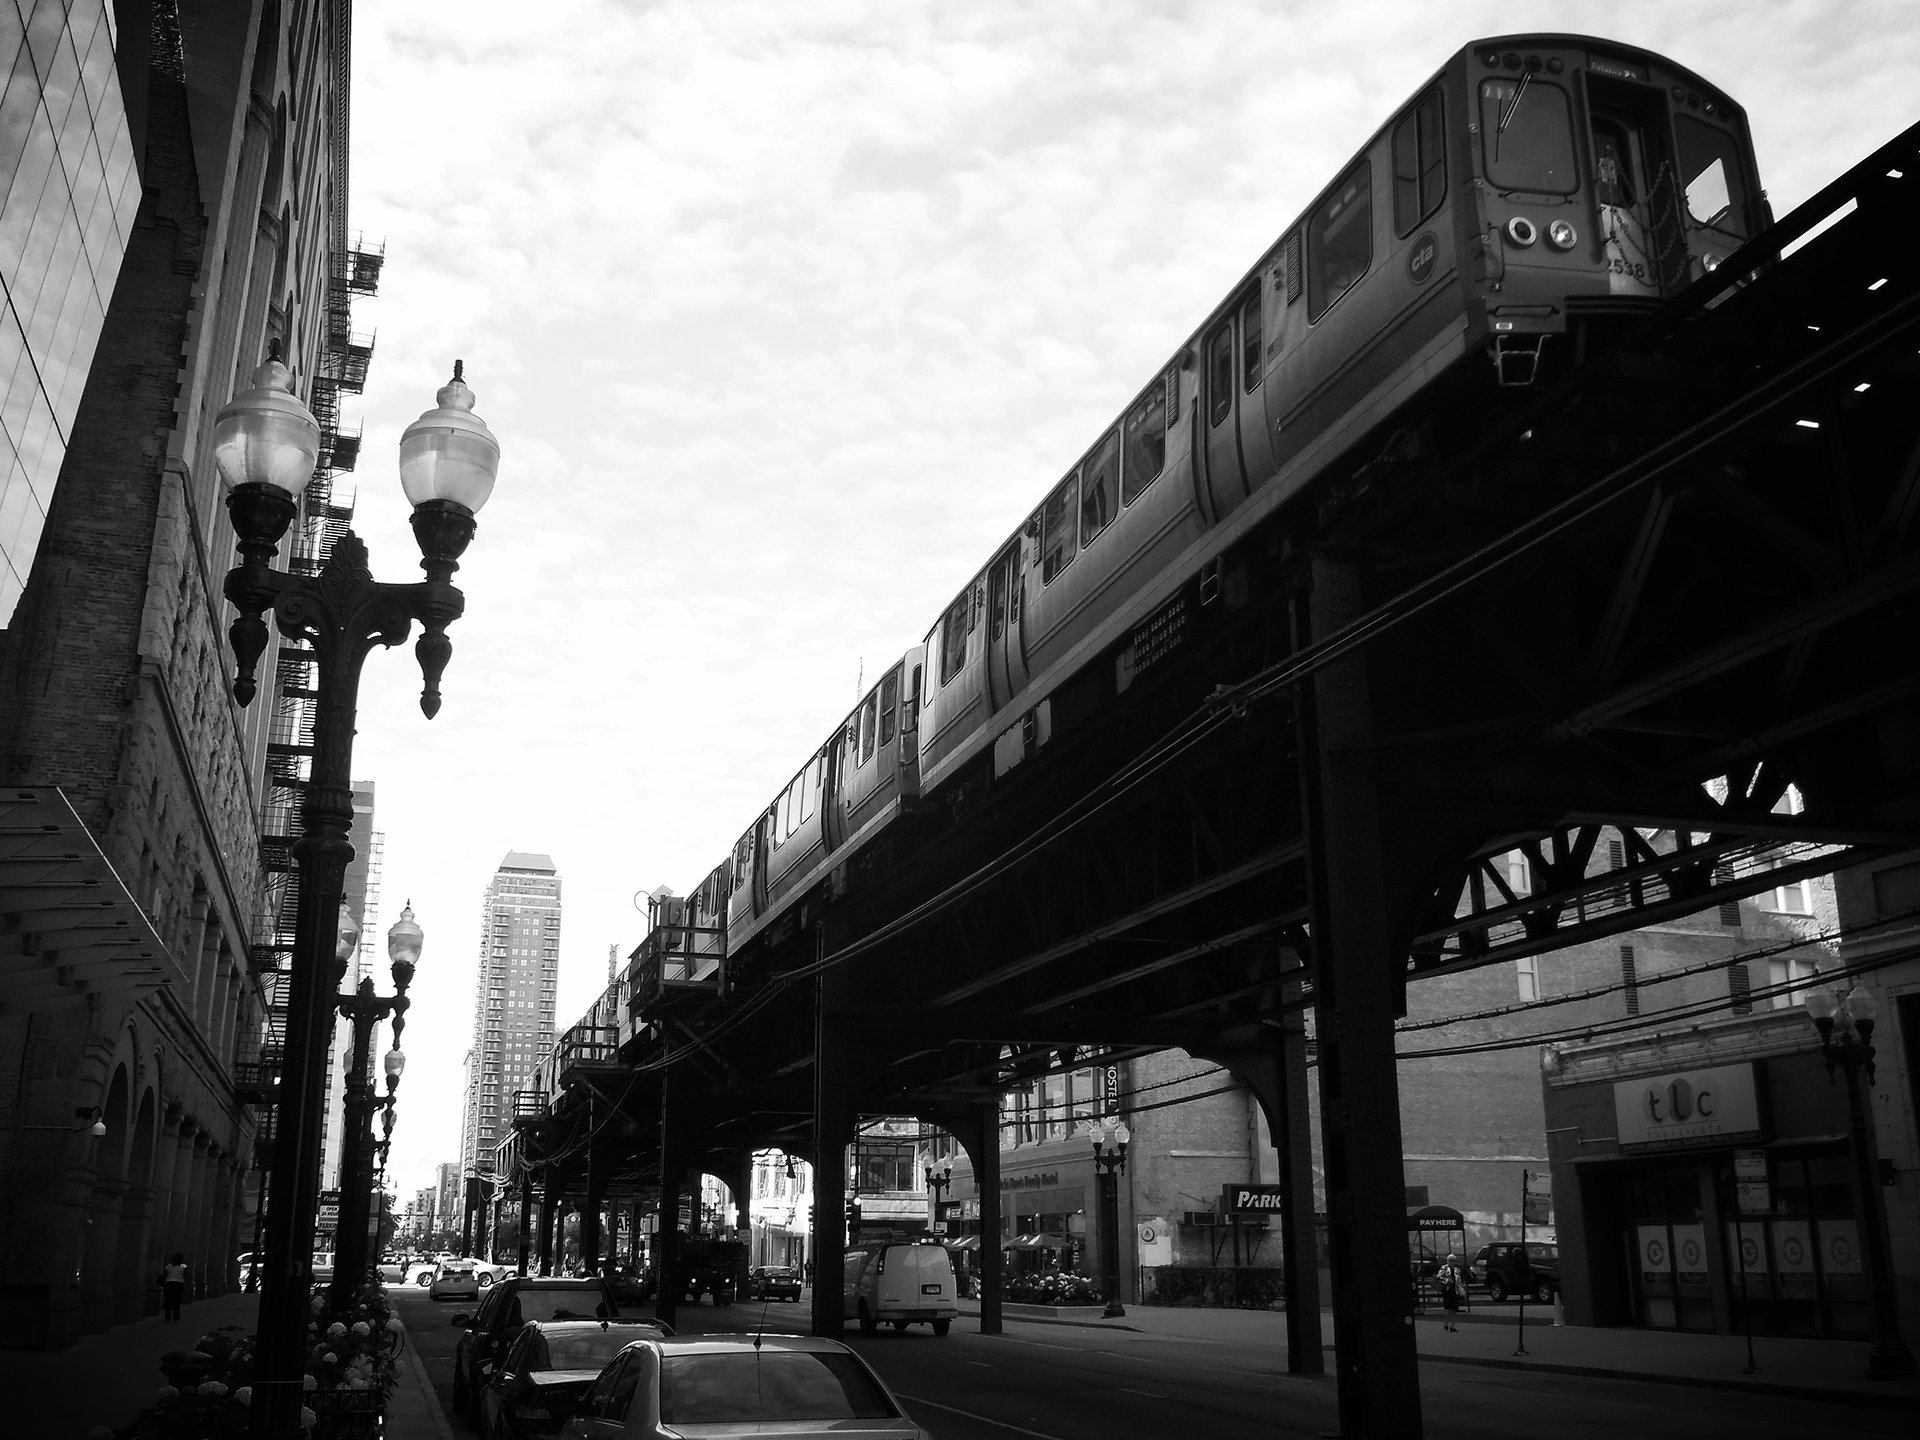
(414, 1377)
(1855, 1398)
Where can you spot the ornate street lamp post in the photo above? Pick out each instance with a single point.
(364, 1010)
(937, 1182)
(265, 444)
(1845, 1023)
(1109, 1160)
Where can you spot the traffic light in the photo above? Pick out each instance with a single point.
(853, 1221)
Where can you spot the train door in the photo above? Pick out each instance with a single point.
(833, 819)
(1006, 651)
(1256, 435)
(1636, 190)
(1226, 483)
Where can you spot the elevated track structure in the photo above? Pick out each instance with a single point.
(1638, 603)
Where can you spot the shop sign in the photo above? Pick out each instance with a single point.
(1250, 1200)
(1691, 1107)
(1031, 1181)
(1690, 1254)
(1793, 1259)
(1840, 1247)
(1747, 1242)
(1656, 1258)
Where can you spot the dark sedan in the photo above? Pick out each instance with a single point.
(773, 1282)
(546, 1370)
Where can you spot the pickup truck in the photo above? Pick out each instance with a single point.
(1508, 1267)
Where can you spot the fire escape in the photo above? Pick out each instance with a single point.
(324, 516)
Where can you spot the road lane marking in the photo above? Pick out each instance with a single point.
(974, 1415)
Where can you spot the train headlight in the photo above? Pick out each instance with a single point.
(1561, 235)
(1712, 262)
(1522, 231)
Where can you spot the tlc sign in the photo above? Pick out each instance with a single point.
(1689, 1107)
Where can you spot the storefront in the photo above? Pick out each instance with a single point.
(1704, 1181)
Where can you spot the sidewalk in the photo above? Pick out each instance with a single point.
(110, 1378)
(1828, 1370)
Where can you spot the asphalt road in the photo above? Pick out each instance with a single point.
(1060, 1382)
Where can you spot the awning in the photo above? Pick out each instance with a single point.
(69, 929)
(1037, 1242)
(965, 1242)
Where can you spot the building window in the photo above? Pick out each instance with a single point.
(1528, 973)
(1794, 899)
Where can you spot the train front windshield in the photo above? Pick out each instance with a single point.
(1526, 132)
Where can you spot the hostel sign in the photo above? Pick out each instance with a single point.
(1715, 1106)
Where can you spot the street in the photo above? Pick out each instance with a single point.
(1064, 1382)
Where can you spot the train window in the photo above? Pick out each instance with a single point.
(869, 713)
(889, 706)
(783, 817)
(997, 596)
(1146, 448)
(1251, 360)
(809, 783)
(1419, 164)
(953, 637)
(852, 738)
(1220, 373)
(1339, 240)
(1612, 167)
(1099, 489)
(1056, 529)
(1526, 135)
(1710, 168)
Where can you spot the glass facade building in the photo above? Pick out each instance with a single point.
(69, 195)
(513, 1009)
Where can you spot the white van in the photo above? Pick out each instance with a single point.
(899, 1285)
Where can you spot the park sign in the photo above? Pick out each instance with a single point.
(1250, 1200)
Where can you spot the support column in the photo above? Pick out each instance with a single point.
(1359, 986)
(985, 1154)
(833, 1123)
(670, 1283)
(737, 1176)
(549, 1203)
(133, 1277)
(590, 1210)
(526, 1220)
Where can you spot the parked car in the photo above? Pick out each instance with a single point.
(773, 1282)
(899, 1285)
(508, 1306)
(454, 1280)
(1508, 1267)
(491, 1272)
(548, 1367)
(730, 1387)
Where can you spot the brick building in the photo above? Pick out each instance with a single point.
(174, 185)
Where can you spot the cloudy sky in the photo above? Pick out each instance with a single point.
(785, 312)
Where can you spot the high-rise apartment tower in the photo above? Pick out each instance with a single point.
(513, 1009)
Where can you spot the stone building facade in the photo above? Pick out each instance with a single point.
(115, 716)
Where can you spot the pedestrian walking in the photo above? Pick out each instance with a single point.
(1451, 1293)
(173, 1286)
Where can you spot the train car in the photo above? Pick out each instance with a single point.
(844, 797)
(1538, 189)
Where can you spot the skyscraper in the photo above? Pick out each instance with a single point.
(513, 1007)
(363, 899)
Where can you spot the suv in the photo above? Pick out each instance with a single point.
(1508, 1267)
(508, 1306)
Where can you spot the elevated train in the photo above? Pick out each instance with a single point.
(1535, 191)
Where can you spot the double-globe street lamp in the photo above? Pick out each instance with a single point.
(266, 445)
(1109, 1161)
(937, 1182)
(1845, 1023)
(364, 1009)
